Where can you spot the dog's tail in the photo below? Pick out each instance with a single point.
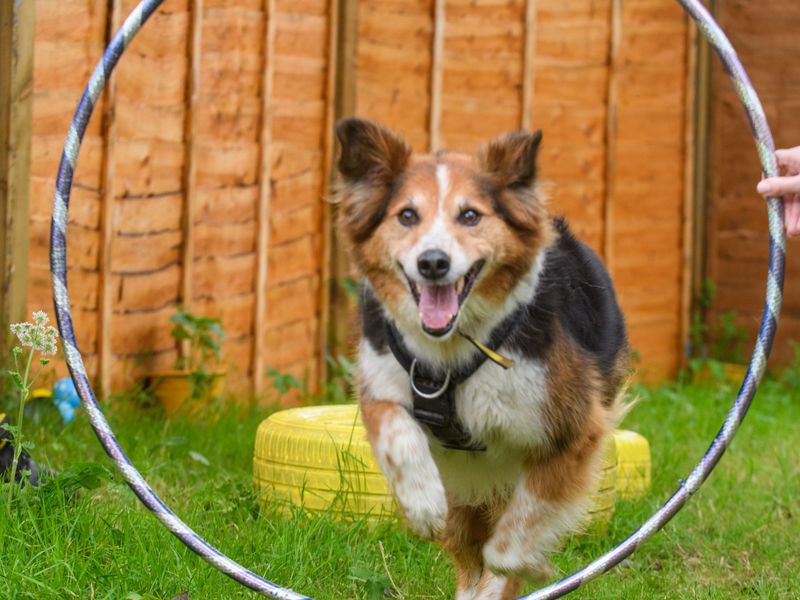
(622, 404)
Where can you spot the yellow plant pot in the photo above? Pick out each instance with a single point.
(174, 389)
(318, 458)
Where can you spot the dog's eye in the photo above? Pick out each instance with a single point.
(408, 217)
(469, 217)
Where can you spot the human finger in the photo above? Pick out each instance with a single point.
(788, 158)
(779, 186)
(792, 215)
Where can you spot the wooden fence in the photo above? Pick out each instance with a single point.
(199, 182)
(202, 176)
(736, 239)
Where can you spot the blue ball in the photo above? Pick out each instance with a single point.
(64, 391)
(65, 397)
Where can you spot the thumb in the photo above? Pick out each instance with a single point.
(779, 186)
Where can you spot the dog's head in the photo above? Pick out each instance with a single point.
(443, 239)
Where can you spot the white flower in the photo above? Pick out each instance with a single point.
(38, 335)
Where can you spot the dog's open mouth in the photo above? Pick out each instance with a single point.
(438, 305)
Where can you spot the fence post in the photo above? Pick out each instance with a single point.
(264, 197)
(16, 103)
(339, 317)
(105, 299)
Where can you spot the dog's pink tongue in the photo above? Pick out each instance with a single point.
(437, 305)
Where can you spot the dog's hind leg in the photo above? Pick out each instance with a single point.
(403, 454)
(465, 534)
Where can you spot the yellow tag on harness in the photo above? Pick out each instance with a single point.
(495, 357)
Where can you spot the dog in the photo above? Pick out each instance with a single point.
(492, 353)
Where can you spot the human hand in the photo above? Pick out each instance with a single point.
(787, 186)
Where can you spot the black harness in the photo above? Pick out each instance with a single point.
(434, 397)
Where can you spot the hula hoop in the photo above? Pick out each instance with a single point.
(687, 488)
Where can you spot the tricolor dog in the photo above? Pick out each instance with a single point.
(492, 349)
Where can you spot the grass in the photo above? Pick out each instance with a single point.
(737, 538)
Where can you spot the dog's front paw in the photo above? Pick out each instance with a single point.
(503, 557)
(425, 508)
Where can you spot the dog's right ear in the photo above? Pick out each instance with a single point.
(370, 151)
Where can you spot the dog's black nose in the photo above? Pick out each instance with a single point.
(433, 264)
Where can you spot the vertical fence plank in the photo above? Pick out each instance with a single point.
(265, 188)
(345, 101)
(703, 237)
(346, 59)
(611, 134)
(437, 56)
(645, 198)
(190, 153)
(194, 57)
(326, 224)
(690, 176)
(16, 95)
(105, 299)
(528, 65)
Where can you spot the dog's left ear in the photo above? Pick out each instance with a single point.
(510, 160)
(371, 150)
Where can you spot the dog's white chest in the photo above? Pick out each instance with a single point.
(505, 405)
(503, 409)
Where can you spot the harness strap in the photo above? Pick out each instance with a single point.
(433, 396)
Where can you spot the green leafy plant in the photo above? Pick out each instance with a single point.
(202, 335)
(199, 339)
(716, 345)
(40, 338)
(338, 389)
(376, 584)
(284, 382)
(698, 328)
(727, 339)
(720, 340)
(80, 475)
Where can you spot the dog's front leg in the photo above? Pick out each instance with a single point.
(403, 453)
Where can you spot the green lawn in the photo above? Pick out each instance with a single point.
(738, 538)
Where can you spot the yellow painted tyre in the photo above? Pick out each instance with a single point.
(604, 499)
(318, 458)
(633, 464)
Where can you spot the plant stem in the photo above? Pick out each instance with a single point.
(18, 437)
(192, 344)
(36, 377)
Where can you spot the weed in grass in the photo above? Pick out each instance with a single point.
(40, 338)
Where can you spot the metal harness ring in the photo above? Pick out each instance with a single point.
(433, 395)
